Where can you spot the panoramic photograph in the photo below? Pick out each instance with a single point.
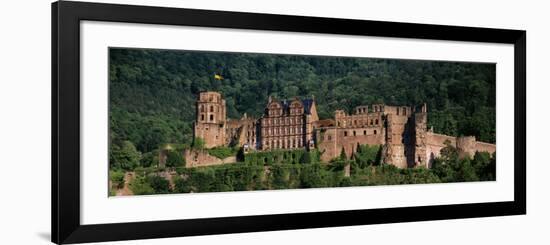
(200, 121)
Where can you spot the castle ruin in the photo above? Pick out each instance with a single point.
(402, 131)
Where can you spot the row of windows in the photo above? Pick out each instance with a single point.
(355, 133)
(283, 121)
(277, 131)
(283, 144)
(211, 118)
(403, 111)
(203, 109)
(360, 122)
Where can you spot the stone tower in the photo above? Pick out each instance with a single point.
(421, 138)
(210, 123)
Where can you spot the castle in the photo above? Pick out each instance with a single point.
(402, 131)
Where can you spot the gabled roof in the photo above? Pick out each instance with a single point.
(307, 103)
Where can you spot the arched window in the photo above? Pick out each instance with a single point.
(364, 132)
(211, 108)
(211, 117)
(354, 133)
(371, 122)
(202, 108)
(345, 133)
(375, 131)
(376, 122)
(202, 117)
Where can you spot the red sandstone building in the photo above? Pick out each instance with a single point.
(294, 124)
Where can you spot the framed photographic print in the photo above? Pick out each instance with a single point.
(177, 122)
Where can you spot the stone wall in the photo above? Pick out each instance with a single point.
(330, 141)
(200, 158)
(466, 146)
(396, 137)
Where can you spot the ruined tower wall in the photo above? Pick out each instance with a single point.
(211, 118)
(395, 141)
(466, 146)
(330, 141)
(420, 139)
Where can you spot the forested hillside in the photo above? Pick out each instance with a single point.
(152, 92)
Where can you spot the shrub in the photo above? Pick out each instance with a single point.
(117, 178)
(223, 152)
(174, 158)
(159, 184)
(140, 186)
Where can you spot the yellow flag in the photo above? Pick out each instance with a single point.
(218, 77)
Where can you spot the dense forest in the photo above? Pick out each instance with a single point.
(302, 169)
(152, 92)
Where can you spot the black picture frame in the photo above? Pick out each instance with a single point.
(66, 17)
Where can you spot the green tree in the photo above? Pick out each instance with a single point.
(140, 186)
(174, 158)
(342, 156)
(159, 184)
(124, 156)
(117, 178)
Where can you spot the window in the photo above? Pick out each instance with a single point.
(376, 122)
(202, 108)
(329, 137)
(211, 108)
(364, 132)
(397, 109)
(354, 133)
(345, 133)
(375, 131)
(202, 117)
(371, 122)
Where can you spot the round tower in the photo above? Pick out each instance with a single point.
(466, 146)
